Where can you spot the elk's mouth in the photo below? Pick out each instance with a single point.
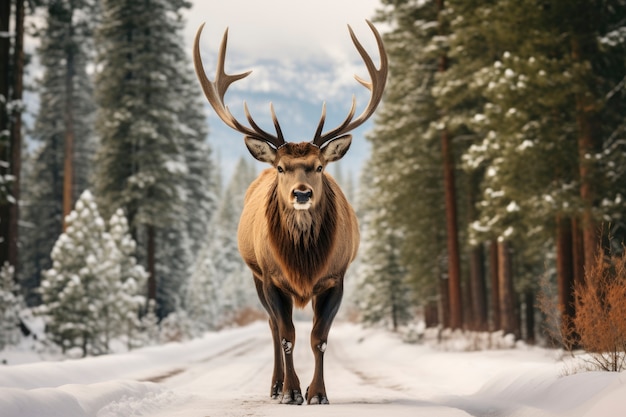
(302, 199)
(302, 206)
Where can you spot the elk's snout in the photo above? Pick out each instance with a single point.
(302, 199)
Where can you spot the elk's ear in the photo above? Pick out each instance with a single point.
(260, 149)
(337, 148)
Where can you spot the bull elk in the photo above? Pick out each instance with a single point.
(297, 231)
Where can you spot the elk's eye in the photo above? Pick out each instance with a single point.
(280, 170)
(320, 168)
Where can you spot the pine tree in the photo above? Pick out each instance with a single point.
(150, 330)
(202, 182)
(11, 141)
(151, 160)
(66, 115)
(404, 177)
(5, 89)
(127, 301)
(221, 284)
(237, 287)
(5, 49)
(383, 293)
(530, 114)
(202, 293)
(90, 293)
(172, 271)
(11, 303)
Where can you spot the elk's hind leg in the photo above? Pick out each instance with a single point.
(325, 307)
(278, 377)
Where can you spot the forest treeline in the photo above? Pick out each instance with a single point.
(114, 215)
(498, 170)
(498, 166)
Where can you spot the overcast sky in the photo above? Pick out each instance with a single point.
(300, 29)
(317, 62)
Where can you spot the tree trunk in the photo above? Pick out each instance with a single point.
(478, 290)
(495, 286)
(5, 82)
(5, 47)
(68, 163)
(529, 300)
(431, 314)
(477, 284)
(152, 284)
(16, 134)
(509, 321)
(588, 143)
(444, 303)
(578, 253)
(454, 270)
(565, 266)
(454, 273)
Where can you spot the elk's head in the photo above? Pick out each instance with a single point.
(299, 166)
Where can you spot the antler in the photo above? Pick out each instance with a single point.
(376, 87)
(215, 91)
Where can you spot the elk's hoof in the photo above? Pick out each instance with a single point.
(292, 397)
(316, 399)
(277, 391)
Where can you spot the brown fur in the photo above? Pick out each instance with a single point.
(303, 252)
(302, 241)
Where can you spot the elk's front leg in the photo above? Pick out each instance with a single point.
(325, 307)
(278, 376)
(281, 306)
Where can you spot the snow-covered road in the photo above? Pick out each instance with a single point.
(368, 373)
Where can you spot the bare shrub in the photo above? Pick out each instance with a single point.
(599, 324)
(600, 319)
(248, 315)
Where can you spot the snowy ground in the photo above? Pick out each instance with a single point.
(368, 373)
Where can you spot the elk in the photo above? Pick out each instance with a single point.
(297, 233)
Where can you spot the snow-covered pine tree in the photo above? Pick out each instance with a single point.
(90, 292)
(179, 244)
(151, 154)
(221, 284)
(128, 302)
(150, 330)
(202, 297)
(547, 61)
(381, 294)
(402, 189)
(72, 290)
(202, 182)
(11, 303)
(66, 109)
(237, 288)
(172, 270)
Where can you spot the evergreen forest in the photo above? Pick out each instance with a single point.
(495, 186)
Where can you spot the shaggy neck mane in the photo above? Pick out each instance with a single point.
(302, 239)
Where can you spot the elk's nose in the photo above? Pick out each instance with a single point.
(302, 197)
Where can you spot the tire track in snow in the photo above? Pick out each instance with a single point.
(240, 349)
(340, 355)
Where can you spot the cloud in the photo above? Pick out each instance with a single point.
(296, 49)
(270, 28)
(301, 55)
